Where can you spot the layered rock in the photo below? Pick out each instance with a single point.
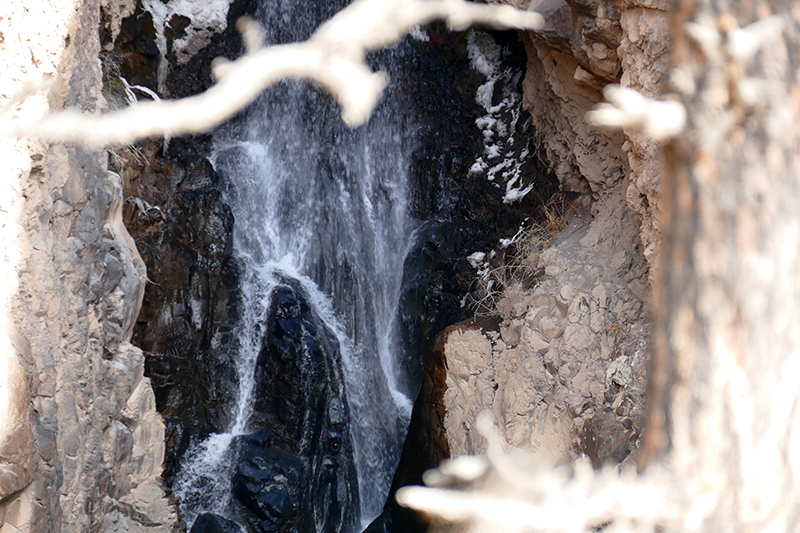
(644, 53)
(565, 372)
(82, 445)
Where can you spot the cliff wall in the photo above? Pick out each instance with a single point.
(566, 372)
(81, 443)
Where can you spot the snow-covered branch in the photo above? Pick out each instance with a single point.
(334, 57)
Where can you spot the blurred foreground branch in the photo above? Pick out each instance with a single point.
(334, 57)
(513, 491)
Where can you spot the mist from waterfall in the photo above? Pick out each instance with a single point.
(325, 207)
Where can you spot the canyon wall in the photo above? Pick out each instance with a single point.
(566, 372)
(81, 443)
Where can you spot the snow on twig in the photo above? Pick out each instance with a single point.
(334, 57)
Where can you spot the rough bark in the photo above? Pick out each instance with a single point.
(726, 402)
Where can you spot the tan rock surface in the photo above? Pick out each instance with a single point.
(584, 45)
(567, 375)
(644, 53)
(556, 374)
(81, 444)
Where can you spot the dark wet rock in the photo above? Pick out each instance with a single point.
(212, 523)
(136, 54)
(268, 483)
(465, 213)
(182, 227)
(195, 76)
(300, 397)
(176, 214)
(176, 27)
(425, 447)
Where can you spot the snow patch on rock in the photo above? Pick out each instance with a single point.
(476, 259)
(206, 19)
(419, 34)
(499, 162)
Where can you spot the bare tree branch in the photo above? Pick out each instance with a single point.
(334, 57)
(514, 491)
(660, 120)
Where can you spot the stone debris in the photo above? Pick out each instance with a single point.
(565, 352)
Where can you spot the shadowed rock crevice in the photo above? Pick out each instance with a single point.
(182, 227)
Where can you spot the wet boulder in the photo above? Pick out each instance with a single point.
(213, 523)
(300, 398)
(268, 483)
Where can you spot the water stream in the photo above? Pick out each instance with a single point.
(324, 208)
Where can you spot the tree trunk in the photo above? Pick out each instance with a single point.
(726, 381)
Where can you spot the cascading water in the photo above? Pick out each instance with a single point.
(321, 209)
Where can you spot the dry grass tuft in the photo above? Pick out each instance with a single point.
(519, 263)
(555, 215)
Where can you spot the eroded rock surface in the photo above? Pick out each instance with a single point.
(624, 42)
(81, 441)
(585, 45)
(565, 372)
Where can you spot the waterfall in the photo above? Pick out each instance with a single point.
(323, 209)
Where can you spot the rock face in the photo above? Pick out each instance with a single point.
(464, 212)
(81, 443)
(564, 373)
(182, 227)
(211, 523)
(268, 482)
(175, 210)
(584, 46)
(426, 444)
(300, 397)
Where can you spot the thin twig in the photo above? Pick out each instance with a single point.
(334, 57)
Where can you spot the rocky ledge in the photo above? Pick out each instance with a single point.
(564, 373)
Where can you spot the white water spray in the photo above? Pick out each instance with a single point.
(332, 215)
